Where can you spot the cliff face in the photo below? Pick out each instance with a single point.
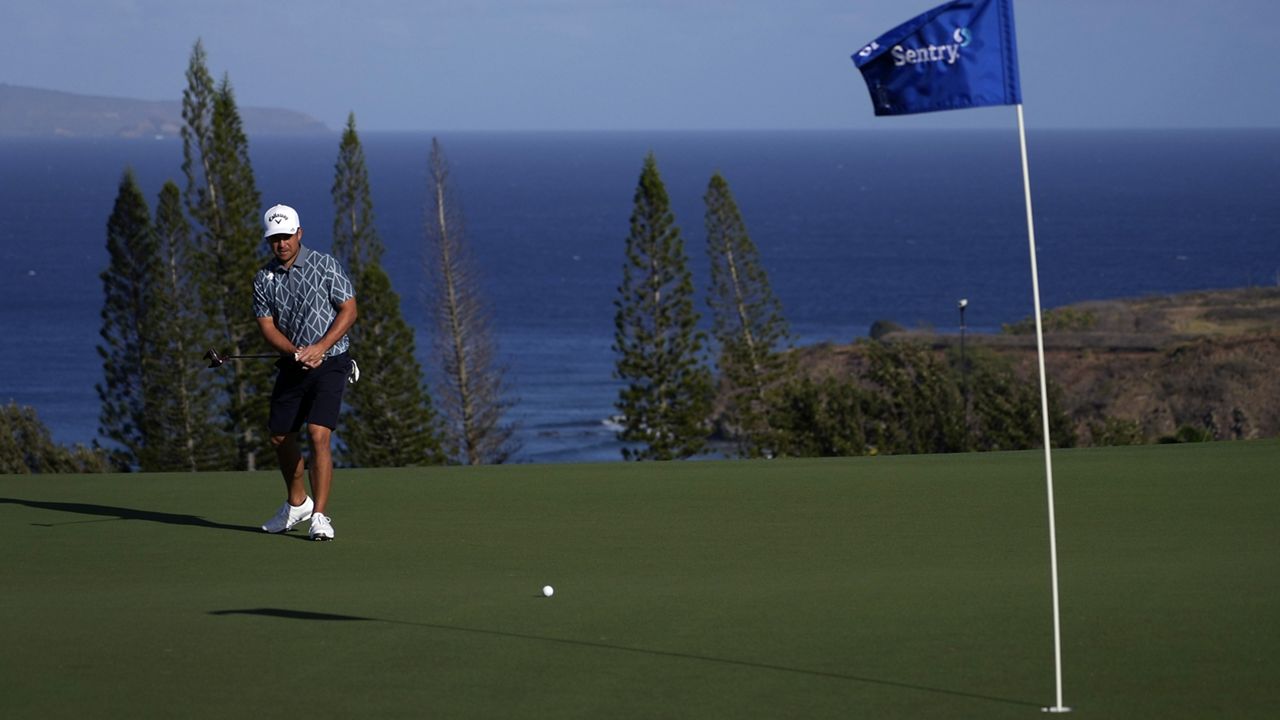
(34, 113)
(1224, 386)
(1206, 363)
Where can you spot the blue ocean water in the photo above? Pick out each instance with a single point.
(852, 227)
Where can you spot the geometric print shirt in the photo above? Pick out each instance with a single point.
(303, 299)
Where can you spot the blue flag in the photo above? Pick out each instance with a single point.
(959, 55)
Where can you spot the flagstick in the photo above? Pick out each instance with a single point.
(1044, 417)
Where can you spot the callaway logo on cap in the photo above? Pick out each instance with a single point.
(280, 220)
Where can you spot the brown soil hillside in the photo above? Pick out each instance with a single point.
(1201, 363)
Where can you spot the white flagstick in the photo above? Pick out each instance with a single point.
(1044, 416)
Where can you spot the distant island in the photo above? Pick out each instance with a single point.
(35, 113)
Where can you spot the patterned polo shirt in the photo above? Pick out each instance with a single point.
(303, 299)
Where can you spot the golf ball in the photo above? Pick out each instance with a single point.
(548, 591)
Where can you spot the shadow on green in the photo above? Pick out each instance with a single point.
(107, 513)
(332, 617)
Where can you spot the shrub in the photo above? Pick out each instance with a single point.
(26, 446)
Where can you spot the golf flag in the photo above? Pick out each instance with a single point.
(958, 55)
(962, 54)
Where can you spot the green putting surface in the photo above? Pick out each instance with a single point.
(895, 587)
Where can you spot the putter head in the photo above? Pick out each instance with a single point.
(215, 360)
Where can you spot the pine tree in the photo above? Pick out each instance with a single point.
(355, 239)
(223, 200)
(390, 420)
(127, 338)
(747, 321)
(472, 396)
(181, 434)
(667, 397)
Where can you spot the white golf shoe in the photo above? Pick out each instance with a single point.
(321, 529)
(288, 516)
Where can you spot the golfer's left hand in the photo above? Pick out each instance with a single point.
(310, 356)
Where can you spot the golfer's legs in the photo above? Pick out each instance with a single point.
(321, 466)
(289, 454)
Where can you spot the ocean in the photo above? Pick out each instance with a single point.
(852, 226)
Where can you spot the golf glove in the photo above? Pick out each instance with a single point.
(354, 375)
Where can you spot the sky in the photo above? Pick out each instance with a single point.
(450, 65)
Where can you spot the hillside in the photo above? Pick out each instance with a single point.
(34, 113)
(1201, 363)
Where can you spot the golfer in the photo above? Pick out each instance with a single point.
(305, 305)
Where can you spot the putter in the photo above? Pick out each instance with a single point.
(216, 360)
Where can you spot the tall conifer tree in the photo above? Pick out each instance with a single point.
(667, 397)
(390, 420)
(181, 434)
(747, 320)
(473, 386)
(355, 238)
(223, 200)
(127, 336)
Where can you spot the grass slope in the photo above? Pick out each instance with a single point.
(872, 587)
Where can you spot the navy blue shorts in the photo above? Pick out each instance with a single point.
(308, 396)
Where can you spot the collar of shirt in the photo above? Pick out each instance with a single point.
(299, 261)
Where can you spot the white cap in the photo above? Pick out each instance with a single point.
(280, 220)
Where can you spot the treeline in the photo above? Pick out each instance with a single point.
(178, 285)
(902, 397)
